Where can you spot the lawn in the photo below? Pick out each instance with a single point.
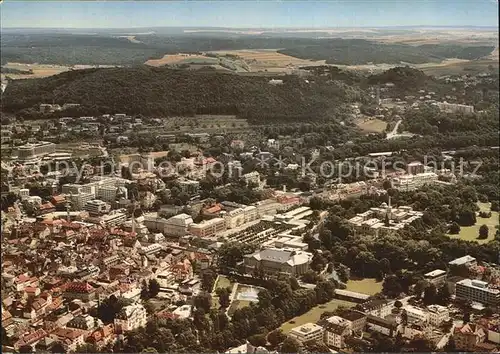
(372, 125)
(223, 282)
(314, 314)
(367, 286)
(470, 233)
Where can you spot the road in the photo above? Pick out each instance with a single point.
(394, 131)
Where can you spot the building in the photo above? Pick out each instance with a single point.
(207, 228)
(189, 187)
(130, 317)
(35, 150)
(436, 277)
(97, 207)
(477, 291)
(438, 314)
(380, 325)
(455, 108)
(377, 307)
(494, 331)
(414, 168)
(467, 261)
(384, 220)
(356, 319)
(252, 178)
(307, 332)
(234, 218)
(468, 336)
(70, 338)
(274, 261)
(412, 182)
(335, 334)
(79, 200)
(416, 314)
(177, 225)
(79, 290)
(251, 213)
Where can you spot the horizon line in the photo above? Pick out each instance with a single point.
(260, 28)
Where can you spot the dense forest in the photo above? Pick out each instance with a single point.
(93, 49)
(161, 91)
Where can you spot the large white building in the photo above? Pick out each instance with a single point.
(97, 207)
(32, 151)
(307, 332)
(477, 291)
(438, 314)
(130, 317)
(455, 107)
(412, 182)
(373, 221)
(208, 228)
(274, 261)
(177, 225)
(416, 314)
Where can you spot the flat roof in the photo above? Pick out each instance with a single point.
(435, 273)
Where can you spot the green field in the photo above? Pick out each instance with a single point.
(470, 233)
(365, 286)
(374, 125)
(223, 282)
(314, 314)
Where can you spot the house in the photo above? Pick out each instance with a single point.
(30, 339)
(70, 338)
(468, 336)
(102, 336)
(130, 317)
(79, 290)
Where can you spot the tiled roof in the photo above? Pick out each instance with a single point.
(79, 287)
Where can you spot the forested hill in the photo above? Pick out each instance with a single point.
(166, 92)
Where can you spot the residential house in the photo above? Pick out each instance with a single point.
(130, 317)
(466, 337)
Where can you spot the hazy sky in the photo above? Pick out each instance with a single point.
(264, 13)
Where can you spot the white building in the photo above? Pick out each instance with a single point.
(455, 108)
(177, 225)
(234, 218)
(130, 317)
(477, 291)
(438, 314)
(465, 260)
(416, 314)
(97, 207)
(436, 277)
(208, 228)
(307, 332)
(412, 182)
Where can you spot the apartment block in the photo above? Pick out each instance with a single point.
(477, 291)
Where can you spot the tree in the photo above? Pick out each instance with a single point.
(264, 298)
(224, 297)
(154, 287)
(443, 295)
(483, 232)
(311, 277)
(466, 317)
(26, 349)
(204, 301)
(454, 228)
(258, 340)
(58, 348)
(495, 206)
(208, 277)
(420, 287)
(398, 304)
(430, 294)
(391, 286)
(290, 345)
(488, 312)
(276, 337)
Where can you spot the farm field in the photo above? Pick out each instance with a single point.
(39, 70)
(470, 233)
(314, 314)
(365, 286)
(180, 58)
(372, 125)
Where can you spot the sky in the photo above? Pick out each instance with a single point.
(263, 13)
